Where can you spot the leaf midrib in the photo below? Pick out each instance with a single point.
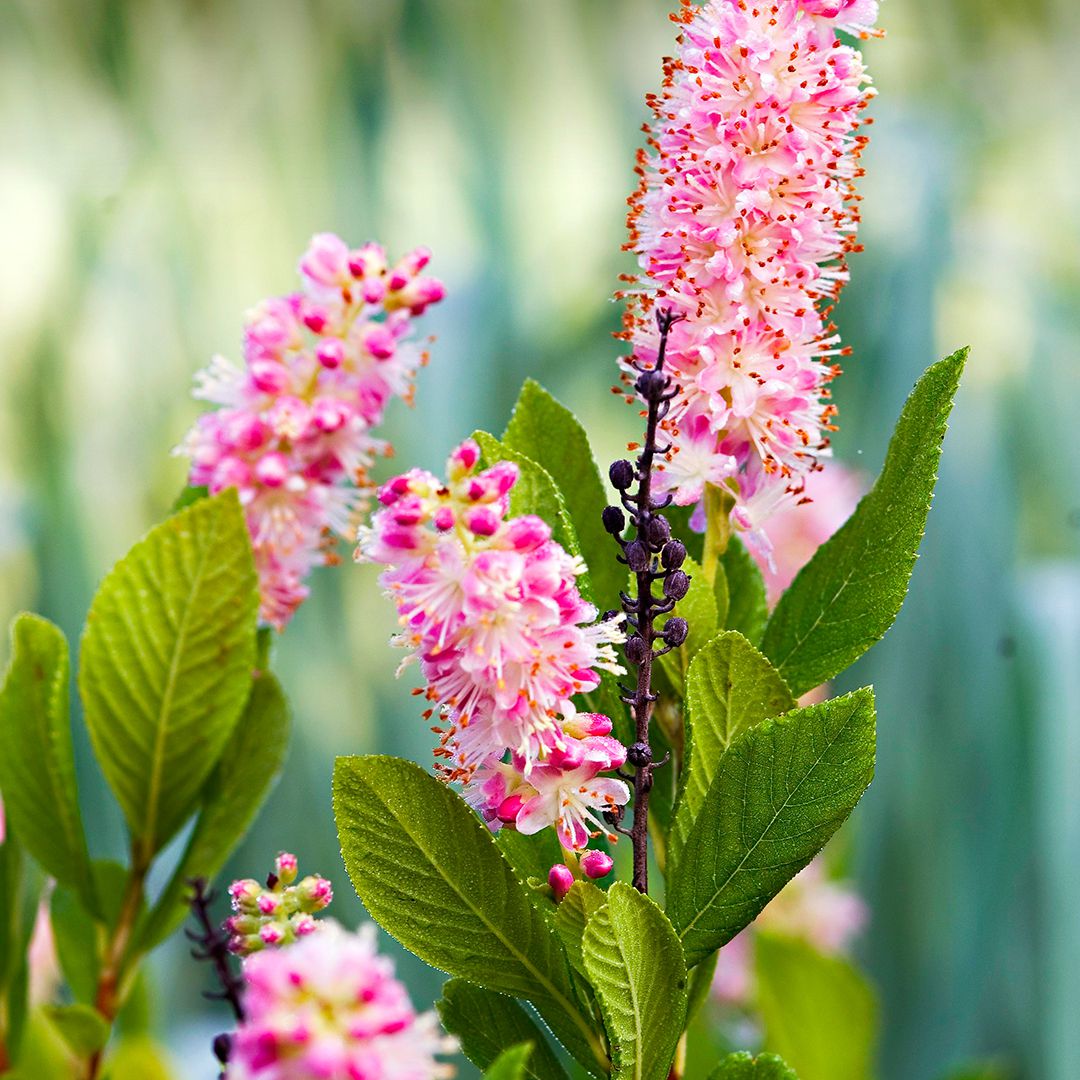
(164, 710)
(555, 994)
(784, 806)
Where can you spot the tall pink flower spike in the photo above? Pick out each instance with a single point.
(293, 435)
(743, 220)
(489, 607)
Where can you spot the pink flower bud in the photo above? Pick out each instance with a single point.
(444, 519)
(527, 533)
(304, 925)
(374, 291)
(596, 864)
(315, 892)
(379, 341)
(271, 934)
(509, 809)
(285, 868)
(315, 318)
(268, 903)
(268, 376)
(330, 353)
(272, 470)
(326, 261)
(560, 879)
(329, 415)
(244, 891)
(482, 521)
(569, 756)
(463, 460)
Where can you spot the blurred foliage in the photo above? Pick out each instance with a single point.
(163, 164)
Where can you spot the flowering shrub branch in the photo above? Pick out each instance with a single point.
(501, 867)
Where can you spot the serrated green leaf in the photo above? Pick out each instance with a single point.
(535, 491)
(249, 768)
(748, 608)
(637, 969)
(530, 856)
(83, 1028)
(486, 1023)
(37, 763)
(819, 1013)
(701, 981)
(572, 915)
(166, 663)
(698, 608)
(782, 789)
(730, 687)
(744, 1067)
(432, 876)
(847, 596)
(549, 434)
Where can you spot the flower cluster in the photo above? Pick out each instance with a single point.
(278, 913)
(490, 608)
(827, 914)
(293, 435)
(329, 1006)
(744, 216)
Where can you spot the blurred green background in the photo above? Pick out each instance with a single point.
(162, 165)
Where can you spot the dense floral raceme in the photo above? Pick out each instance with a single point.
(277, 913)
(490, 607)
(329, 1007)
(742, 222)
(293, 434)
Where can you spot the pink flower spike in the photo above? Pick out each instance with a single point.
(560, 879)
(596, 864)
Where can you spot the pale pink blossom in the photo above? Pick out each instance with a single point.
(742, 223)
(490, 609)
(329, 1008)
(293, 433)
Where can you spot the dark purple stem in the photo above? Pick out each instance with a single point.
(652, 556)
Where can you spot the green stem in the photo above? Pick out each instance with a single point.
(718, 503)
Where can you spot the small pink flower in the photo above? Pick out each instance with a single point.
(329, 1006)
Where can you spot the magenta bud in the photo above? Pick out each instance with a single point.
(268, 376)
(331, 353)
(596, 864)
(272, 470)
(560, 879)
(444, 519)
(509, 809)
(483, 521)
(379, 341)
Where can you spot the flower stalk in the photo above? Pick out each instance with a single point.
(652, 556)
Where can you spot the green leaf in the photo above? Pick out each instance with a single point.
(76, 935)
(535, 491)
(249, 768)
(166, 663)
(546, 431)
(698, 608)
(748, 608)
(744, 1067)
(572, 915)
(847, 596)
(486, 1023)
(188, 497)
(37, 763)
(701, 981)
(782, 789)
(637, 969)
(138, 1057)
(432, 876)
(721, 597)
(83, 1028)
(511, 1064)
(530, 856)
(819, 1012)
(730, 687)
(11, 929)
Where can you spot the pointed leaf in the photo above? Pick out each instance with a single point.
(238, 787)
(166, 663)
(432, 876)
(636, 967)
(818, 1011)
(730, 687)
(572, 915)
(83, 1028)
(847, 596)
(37, 763)
(511, 1064)
(782, 789)
(744, 1067)
(550, 434)
(748, 608)
(486, 1023)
